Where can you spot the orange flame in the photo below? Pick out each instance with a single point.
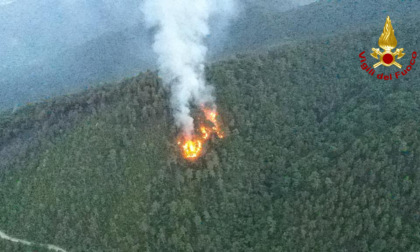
(205, 132)
(211, 115)
(192, 147)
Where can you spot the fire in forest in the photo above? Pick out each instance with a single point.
(192, 146)
(181, 29)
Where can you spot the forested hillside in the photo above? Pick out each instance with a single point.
(319, 156)
(262, 24)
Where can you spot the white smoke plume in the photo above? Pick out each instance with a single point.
(182, 27)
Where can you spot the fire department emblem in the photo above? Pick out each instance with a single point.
(387, 42)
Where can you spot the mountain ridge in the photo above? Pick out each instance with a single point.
(115, 55)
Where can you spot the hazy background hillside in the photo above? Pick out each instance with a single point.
(64, 50)
(74, 44)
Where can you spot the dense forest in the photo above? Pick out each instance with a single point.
(319, 156)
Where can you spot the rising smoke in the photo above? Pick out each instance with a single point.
(182, 29)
